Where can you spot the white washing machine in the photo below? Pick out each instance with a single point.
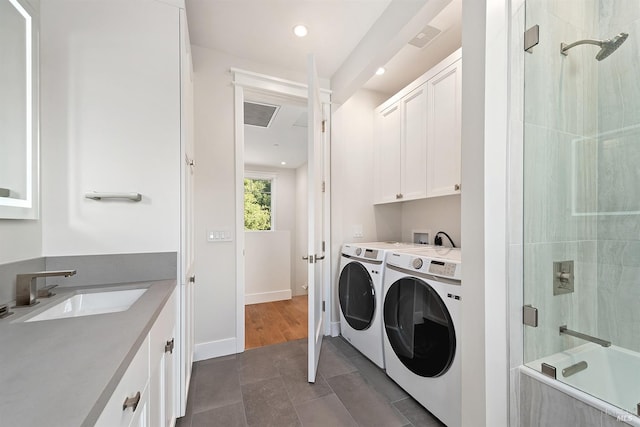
(421, 318)
(360, 295)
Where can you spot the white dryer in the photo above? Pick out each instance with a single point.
(422, 301)
(360, 295)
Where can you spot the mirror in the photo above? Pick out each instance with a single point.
(18, 110)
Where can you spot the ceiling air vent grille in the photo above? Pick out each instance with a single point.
(259, 114)
(425, 36)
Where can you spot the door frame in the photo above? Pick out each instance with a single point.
(278, 87)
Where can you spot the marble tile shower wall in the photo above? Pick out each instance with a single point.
(559, 112)
(618, 177)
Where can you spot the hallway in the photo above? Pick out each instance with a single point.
(275, 322)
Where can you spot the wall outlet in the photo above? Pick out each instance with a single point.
(357, 231)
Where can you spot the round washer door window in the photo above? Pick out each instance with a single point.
(357, 296)
(419, 327)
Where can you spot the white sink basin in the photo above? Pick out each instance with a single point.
(90, 303)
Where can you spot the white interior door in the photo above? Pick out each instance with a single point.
(315, 157)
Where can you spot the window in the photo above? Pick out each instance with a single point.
(258, 212)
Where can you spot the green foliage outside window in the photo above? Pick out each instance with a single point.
(257, 204)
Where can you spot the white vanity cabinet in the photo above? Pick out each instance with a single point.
(417, 137)
(129, 403)
(117, 111)
(163, 356)
(145, 396)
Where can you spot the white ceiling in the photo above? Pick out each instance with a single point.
(285, 140)
(261, 31)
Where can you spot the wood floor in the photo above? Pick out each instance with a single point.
(275, 322)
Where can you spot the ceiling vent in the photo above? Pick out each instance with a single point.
(425, 36)
(261, 115)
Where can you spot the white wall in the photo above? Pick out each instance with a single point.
(352, 181)
(435, 214)
(285, 199)
(268, 266)
(485, 112)
(216, 303)
(21, 240)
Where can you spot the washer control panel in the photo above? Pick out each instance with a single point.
(419, 263)
(442, 268)
(363, 253)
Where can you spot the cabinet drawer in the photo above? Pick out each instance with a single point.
(133, 381)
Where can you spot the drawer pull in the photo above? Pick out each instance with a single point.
(168, 347)
(131, 402)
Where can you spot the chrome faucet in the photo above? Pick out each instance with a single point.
(26, 287)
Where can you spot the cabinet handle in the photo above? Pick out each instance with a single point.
(456, 187)
(399, 196)
(131, 402)
(168, 347)
(192, 279)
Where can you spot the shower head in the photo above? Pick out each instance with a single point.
(607, 47)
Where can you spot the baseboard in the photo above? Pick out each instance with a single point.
(335, 329)
(267, 296)
(211, 349)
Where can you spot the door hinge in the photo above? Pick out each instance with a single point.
(323, 246)
(530, 315)
(531, 38)
(323, 306)
(323, 186)
(324, 126)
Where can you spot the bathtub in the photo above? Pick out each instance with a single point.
(610, 382)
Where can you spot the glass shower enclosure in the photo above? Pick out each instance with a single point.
(582, 196)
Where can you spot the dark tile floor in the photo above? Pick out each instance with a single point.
(268, 387)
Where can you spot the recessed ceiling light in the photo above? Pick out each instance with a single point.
(283, 163)
(380, 71)
(300, 30)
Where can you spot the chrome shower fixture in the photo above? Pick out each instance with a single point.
(607, 47)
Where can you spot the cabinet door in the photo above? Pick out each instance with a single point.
(187, 273)
(414, 145)
(113, 125)
(163, 357)
(387, 155)
(444, 128)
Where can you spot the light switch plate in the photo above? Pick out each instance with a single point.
(216, 236)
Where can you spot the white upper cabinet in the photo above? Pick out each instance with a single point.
(387, 155)
(111, 122)
(443, 131)
(417, 137)
(413, 148)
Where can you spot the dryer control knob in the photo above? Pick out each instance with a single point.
(358, 251)
(417, 263)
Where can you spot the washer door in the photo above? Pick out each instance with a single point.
(357, 296)
(419, 327)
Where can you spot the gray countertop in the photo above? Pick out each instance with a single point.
(62, 372)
